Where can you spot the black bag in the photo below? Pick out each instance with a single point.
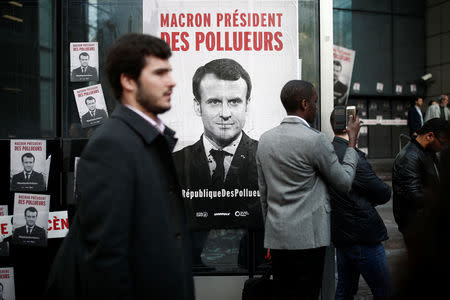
(259, 288)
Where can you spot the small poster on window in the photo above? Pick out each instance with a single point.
(30, 221)
(7, 291)
(3, 210)
(91, 105)
(84, 61)
(29, 169)
(343, 60)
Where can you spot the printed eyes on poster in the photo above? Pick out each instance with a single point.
(30, 222)
(29, 168)
(260, 36)
(7, 281)
(84, 61)
(91, 105)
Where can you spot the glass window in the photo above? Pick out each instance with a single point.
(27, 77)
(367, 5)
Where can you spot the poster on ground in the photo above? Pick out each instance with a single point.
(343, 60)
(30, 223)
(230, 61)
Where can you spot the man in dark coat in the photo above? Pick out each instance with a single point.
(28, 179)
(340, 89)
(415, 173)
(84, 72)
(30, 234)
(357, 229)
(415, 118)
(129, 238)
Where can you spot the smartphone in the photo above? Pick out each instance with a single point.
(350, 111)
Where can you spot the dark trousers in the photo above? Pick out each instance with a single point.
(297, 274)
(366, 260)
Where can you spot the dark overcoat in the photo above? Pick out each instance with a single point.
(130, 239)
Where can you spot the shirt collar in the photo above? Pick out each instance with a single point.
(158, 124)
(300, 118)
(231, 148)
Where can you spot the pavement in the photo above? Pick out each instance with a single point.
(394, 246)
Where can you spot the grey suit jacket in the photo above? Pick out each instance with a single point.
(295, 165)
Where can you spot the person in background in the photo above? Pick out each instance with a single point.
(415, 118)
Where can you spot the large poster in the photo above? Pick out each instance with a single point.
(7, 284)
(230, 61)
(343, 60)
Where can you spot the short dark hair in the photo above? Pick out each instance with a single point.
(29, 155)
(336, 131)
(337, 63)
(83, 54)
(436, 125)
(442, 97)
(294, 92)
(224, 69)
(431, 102)
(1, 284)
(128, 56)
(89, 98)
(31, 208)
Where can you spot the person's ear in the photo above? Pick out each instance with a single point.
(197, 107)
(247, 103)
(303, 104)
(429, 137)
(128, 83)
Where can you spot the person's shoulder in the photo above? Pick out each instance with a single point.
(189, 150)
(17, 175)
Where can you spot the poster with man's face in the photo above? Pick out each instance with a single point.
(29, 168)
(91, 105)
(30, 223)
(230, 61)
(84, 61)
(7, 290)
(5, 230)
(343, 60)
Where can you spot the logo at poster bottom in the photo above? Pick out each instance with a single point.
(243, 213)
(221, 214)
(201, 214)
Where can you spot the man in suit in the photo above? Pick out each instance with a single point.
(415, 118)
(95, 116)
(340, 89)
(295, 165)
(28, 179)
(30, 234)
(84, 72)
(224, 156)
(129, 236)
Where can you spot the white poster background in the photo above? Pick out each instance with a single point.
(7, 279)
(58, 224)
(5, 226)
(269, 70)
(347, 58)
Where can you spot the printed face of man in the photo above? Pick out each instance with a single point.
(155, 85)
(90, 103)
(30, 218)
(84, 60)
(336, 71)
(28, 164)
(222, 107)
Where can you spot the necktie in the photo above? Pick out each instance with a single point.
(28, 177)
(218, 175)
(84, 70)
(29, 230)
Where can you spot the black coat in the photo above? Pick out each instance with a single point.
(129, 238)
(354, 219)
(89, 75)
(414, 172)
(414, 121)
(87, 120)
